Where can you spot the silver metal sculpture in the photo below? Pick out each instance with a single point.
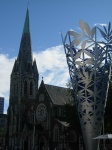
(89, 62)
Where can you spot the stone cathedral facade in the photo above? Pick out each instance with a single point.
(36, 118)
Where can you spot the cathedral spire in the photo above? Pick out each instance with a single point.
(25, 51)
(26, 24)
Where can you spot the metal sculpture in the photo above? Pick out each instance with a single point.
(89, 62)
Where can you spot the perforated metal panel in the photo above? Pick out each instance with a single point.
(89, 63)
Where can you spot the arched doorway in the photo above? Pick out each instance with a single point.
(42, 143)
(25, 145)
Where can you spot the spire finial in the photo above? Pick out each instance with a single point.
(27, 4)
(26, 23)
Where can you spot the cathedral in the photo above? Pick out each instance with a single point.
(36, 113)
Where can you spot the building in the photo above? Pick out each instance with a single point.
(36, 113)
(1, 105)
(3, 129)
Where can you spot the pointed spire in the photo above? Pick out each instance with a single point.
(26, 28)
(25, 51)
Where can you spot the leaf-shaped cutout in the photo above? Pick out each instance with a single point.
(90, 61)
(81, 23)
(78, 63)
(102, 33)
(109, 27)
(86, 75)
(87, 28)
(84, 26)
(110, 40)
(110, 32)
(83, 45)
(90, 92)
(69, 59)
(92, 33)
(77, 55)
(105, 29)
(89, 41)
(89, 54)
(73, 33)
(73, 42)
(91, 75)
(76, 42)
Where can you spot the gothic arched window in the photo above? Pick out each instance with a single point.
(31, 88)
(56, 133)
(25, 87)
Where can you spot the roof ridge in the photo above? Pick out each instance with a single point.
(57, 86)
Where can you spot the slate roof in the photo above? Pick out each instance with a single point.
(58, 95)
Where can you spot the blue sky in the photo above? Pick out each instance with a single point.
(47, 19)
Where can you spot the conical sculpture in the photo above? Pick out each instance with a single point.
(89, 63)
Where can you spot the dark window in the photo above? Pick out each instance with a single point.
(31, 88)
(25, 87)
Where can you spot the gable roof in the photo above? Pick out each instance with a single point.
(58, 95)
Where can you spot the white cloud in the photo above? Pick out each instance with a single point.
(51, 64)
(5, 70)
(101, 24)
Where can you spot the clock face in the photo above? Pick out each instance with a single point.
(41, 112)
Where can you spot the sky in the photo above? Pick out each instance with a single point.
(47, 19)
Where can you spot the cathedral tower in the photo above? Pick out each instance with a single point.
(24, 76)
(23, 84)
